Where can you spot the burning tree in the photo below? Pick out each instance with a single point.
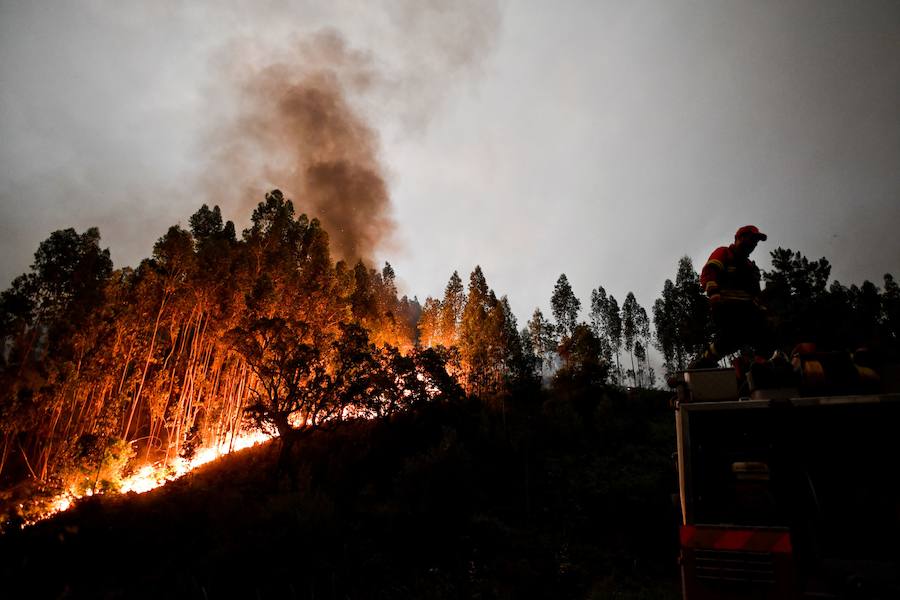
(301, 386)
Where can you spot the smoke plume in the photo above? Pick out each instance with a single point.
(301, 119)
(295, 130)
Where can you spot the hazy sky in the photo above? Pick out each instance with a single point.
(600, 139)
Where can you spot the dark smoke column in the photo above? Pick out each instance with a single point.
(295, 130)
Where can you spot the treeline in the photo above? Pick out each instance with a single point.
(483, 330)
(216, 332)
(801, 306)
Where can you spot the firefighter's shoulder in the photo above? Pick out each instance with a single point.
(719, 257)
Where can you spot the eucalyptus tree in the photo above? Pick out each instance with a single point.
(582, 359)
(50, 335)
(635, 329)
(508, 349)
(452, 306)
(565, 306)
(474, 336)
(429, 323)
(597, 316)
(542, 335)
(680, 318)
(667, 335)
(611, 324)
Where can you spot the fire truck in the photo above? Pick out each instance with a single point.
(789, 482)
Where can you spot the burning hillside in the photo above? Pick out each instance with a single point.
(118, 380)
(449, 500)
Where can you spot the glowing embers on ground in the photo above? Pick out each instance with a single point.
(155, 475)
(152, 476)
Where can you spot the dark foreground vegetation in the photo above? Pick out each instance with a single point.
(542, 495)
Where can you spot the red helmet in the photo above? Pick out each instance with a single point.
(750, 231)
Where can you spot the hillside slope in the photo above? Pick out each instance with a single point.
(537, 497)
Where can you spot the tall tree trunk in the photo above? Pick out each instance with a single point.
(633, 372)
(44, 456)
(125, 368)
(140, 389)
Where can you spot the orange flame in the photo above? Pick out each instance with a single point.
(155, 475)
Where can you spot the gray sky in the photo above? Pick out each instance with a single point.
(600, 139)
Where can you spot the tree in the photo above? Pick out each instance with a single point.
(17, 308)
(635, 330)
(207, 224)
(65, 285)
(583, 363)
(867, 310)
(48, 338)
(665, 318)
(681, 318)
(214, 245)
(529, 354)
(565, 307)
(796, 296)
(475, 334)
(798, 275)
(641, 343)
(509, 349)
(409, 312)
(542, 336)
(630, 328)
(452, 311)
(429, 322)
(599, 302)
(692, 310)
(302, 386)
(363, 303)
(612, 327)
(388, 277)
(642, 367)
(490, 348)
(375, 305)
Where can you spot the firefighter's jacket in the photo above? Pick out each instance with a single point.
(731, 275)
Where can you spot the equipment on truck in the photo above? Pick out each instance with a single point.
(789, 484)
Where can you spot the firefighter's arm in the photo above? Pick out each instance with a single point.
(709, 276)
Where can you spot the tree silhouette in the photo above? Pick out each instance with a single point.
(452, 311)
(583, 365)
(565, 306)
(681, 318)
(542, 336)
(631, 328)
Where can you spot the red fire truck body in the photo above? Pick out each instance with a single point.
(787, 497)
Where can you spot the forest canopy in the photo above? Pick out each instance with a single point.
(217, 333)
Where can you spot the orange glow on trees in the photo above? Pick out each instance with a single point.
(167, 361)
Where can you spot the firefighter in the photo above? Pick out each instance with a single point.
(731, 282)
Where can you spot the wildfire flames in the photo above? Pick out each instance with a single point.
(285, 324)
(155, 475)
